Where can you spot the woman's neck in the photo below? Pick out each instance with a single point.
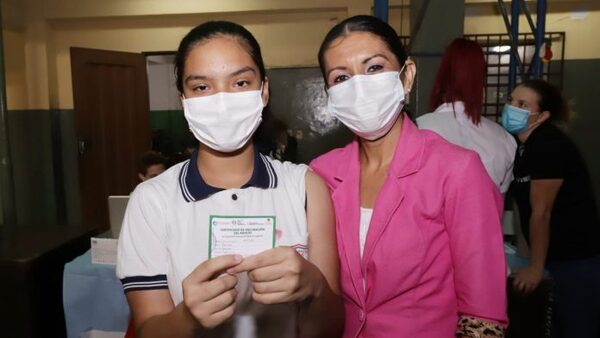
(226, 170)
(378, 154)
(523, 136)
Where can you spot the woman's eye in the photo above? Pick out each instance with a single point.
(374, 68)
(242, 83)
(340, 78)
(519, 104)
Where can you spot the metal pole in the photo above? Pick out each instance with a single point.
(416, 26)
(525, 9)
(514, 55)
(539, 38)
(381, 10)
(513, 34)
(7, 188)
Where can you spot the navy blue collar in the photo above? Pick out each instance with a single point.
(194, 188)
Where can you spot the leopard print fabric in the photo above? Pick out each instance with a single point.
(471, 327)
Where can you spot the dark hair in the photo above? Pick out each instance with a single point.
(461, 77)
(149, 159)
(209, 30)
(368, 24)
(550, 99)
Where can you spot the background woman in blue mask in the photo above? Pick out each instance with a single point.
(173, 286)
(556, 204)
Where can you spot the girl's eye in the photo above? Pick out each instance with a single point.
(340, 78)
(200, 88)
(242, 83)
(374, 68)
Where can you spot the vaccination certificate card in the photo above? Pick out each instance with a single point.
(241, 235)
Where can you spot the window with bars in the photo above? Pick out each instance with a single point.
(496, 48)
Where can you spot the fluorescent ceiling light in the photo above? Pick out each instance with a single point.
(500, 49)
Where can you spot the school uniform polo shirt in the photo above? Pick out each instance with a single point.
(165, 232)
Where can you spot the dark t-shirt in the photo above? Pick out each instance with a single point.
(574, 227)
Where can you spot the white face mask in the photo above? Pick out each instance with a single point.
(224, 121)
(368, 104)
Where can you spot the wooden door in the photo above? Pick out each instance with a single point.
(110, 97)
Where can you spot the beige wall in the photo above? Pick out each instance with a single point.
(290, 31)
(16, 85)
(287, 39)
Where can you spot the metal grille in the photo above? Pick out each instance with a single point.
(496, 48)
(405, 40)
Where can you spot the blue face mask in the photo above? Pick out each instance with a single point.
(514, 119)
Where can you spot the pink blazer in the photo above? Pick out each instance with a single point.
(434, 248)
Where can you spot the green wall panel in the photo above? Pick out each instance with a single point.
(30, 141)
(581, 86)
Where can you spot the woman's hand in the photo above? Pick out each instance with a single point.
(208, 294)
(527, 279)
(281, 275)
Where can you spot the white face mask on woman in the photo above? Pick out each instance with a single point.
(368, 104)
(224, 121)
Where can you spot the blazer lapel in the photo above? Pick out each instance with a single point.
(388, 200)
(406, 161)
(346, 200)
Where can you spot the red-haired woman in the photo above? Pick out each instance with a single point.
(457, 98)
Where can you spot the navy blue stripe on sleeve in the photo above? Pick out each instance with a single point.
(137, 283)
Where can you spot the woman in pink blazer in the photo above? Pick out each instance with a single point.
(418, 219)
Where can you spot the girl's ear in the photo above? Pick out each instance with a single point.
(265, 92)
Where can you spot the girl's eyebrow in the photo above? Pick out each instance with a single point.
(243, 70)
(193, 77)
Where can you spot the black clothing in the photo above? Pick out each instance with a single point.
(574, 226)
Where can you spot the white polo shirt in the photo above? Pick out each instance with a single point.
(495, 146)
(165, 233)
